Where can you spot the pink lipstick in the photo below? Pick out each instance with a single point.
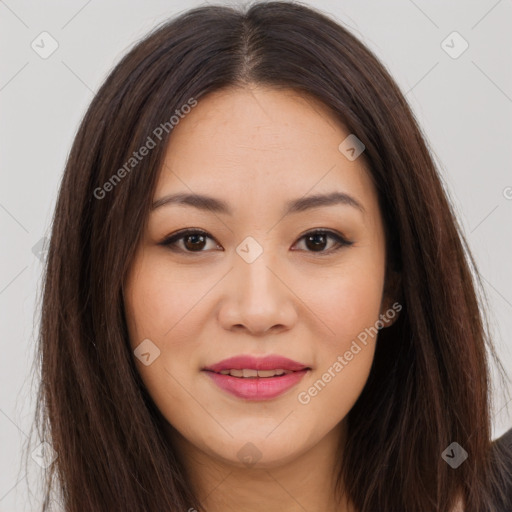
(256, 378)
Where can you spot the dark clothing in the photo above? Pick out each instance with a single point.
(502, 461)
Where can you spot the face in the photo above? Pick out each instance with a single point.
(262, 271)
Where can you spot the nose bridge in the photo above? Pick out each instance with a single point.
(253, 264)
(258, 299)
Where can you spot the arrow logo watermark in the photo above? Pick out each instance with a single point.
(351, 147)
(146, 352)
(454, 455)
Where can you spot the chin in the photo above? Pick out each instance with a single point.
(258, 452)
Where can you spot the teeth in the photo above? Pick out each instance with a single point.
(250, 373)
(269, 373)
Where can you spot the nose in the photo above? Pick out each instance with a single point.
(257, 298)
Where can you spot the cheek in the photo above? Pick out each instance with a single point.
(353, 308)
(163, 306)
(350, 307)
(156, 304)
(349, 300)
(159, 300)
(348, 303)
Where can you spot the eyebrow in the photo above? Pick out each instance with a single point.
(203, 202)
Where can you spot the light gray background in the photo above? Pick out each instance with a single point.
(464, 106)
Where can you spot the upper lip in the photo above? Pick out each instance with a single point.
(270, 362)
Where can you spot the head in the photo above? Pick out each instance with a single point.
(263, 119)
(192, 302)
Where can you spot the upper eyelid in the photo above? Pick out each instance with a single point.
(173, 238)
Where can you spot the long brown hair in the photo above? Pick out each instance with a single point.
(429, 384)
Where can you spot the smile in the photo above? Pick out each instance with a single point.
(253, 374)
(271, 384)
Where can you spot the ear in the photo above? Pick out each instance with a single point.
(391, 303)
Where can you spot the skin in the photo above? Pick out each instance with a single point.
(256, 148)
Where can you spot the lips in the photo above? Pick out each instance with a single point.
(255, 378)
(270, 362)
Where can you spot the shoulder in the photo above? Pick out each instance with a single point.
(499, 492)
(501, 486)
(502, 451)
(505, 439)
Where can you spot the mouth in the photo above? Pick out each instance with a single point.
(249, 373)
(249, 364)
(254, 378)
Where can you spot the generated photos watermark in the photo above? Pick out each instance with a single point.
(157, 135)
(304, 397)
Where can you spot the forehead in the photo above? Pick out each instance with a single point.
(261, 144)
(259, 121)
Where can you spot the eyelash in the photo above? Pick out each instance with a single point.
(170, 241)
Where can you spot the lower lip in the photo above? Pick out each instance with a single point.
(257, 388)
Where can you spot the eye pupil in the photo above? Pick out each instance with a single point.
(315, 237)
(194, 237)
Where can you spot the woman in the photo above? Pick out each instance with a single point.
(249, 376)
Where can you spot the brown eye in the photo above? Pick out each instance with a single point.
(316, 241)
(193, 240)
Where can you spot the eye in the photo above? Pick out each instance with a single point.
(318, 239)
(195, 240)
